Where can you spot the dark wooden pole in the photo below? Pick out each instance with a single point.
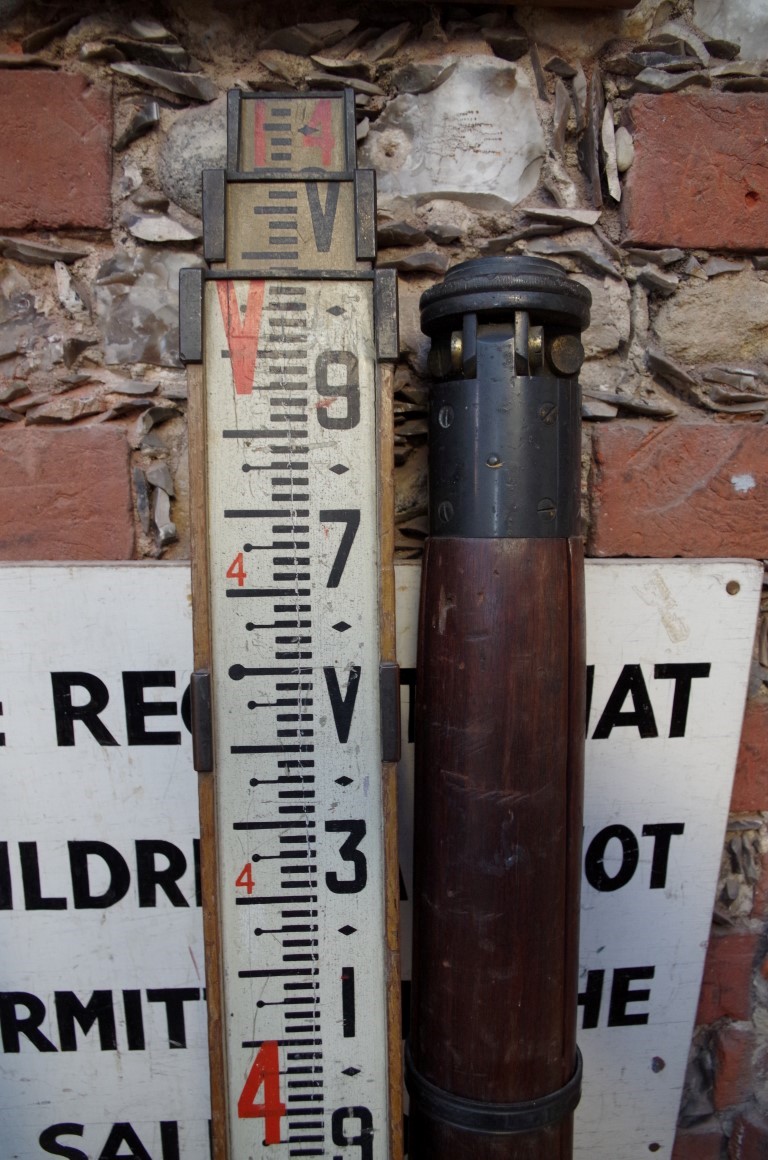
(493, 1069)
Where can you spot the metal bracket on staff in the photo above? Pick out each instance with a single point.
(295, 709)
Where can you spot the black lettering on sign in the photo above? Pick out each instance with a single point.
(198, 873)
(174, 999)
(120, 1136)
(98, 1009)
(149, 876)
(331, 392)
(622, 996)
(134, 1020)
(364, 1138)
(348, 1001)
(160, 865)
(186, 709)
(594, 859)
(30, 881)
(66, 713)
(169, 1140)
(342, 707)
(682, 675)
(119, 875)
(591, 998)
(349, 852)
(631, 683)
(123, 1135)
(137, 709)
(51, 1144)
(590, 690)
(323, 218)
(15, 1023)
(594, 867)
(6, 886)
(23, 1014)
(351, 518)
(662, 833)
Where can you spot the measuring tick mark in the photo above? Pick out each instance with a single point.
(237, 672)
(273, 826)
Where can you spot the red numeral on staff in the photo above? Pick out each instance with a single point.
(236, 570)
(245, 878)
(265, 1072)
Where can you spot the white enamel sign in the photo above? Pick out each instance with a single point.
(102, 1000)
(102, 1022)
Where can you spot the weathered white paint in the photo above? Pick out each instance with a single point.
(647, 613)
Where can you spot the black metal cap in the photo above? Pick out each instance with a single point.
(498, 285)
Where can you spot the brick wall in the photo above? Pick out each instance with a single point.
(97, 156)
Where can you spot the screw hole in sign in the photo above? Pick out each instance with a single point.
(264, 1073)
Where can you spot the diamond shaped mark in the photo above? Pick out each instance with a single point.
(347, 930)
(336, 310)
(338, 469)
(341, 626)
(351, 1071)
(344, 780)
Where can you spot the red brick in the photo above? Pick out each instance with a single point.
(750, 786)
(700, 174)
(65, 495)
(698, 1146)
(749, 1139)
(727, 981)
(687, 489)
(55, 151)
(733, 1068)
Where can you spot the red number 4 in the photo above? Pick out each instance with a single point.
(245, 878)
(236, 570)
(265, 1072)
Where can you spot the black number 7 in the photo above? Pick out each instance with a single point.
(350, 517)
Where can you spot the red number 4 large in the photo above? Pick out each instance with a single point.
(265, 1072)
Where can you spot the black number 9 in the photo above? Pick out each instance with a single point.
(364, 1140)
(349, 390)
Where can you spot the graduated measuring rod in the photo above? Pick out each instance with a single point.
(287, 337)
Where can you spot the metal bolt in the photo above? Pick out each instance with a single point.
(546, 509)
(445, 416)
(548, 413)
(445, 512)
(493, 461)
(566, 354)
(733, 587)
